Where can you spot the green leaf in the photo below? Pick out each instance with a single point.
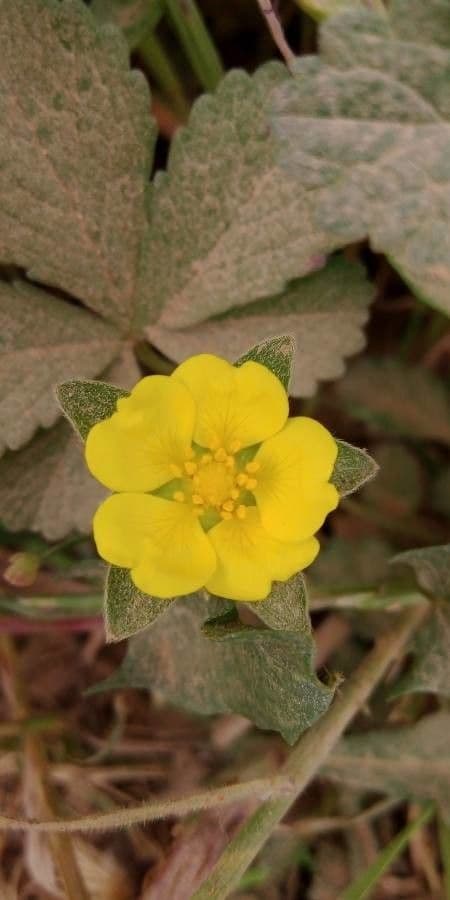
(76, 139)
(269, 679)
(134, 17)
(43, 340)
(364, 130)
(226, 225)
(127, 610)
(46, 486)
(413, 761)
(325, 313)
(429, 671)
(398, 488)
(402, 399)
(87, 402)
(353, 468)
(286, 607)
(431, 567)
(364, 883)
(276, 354)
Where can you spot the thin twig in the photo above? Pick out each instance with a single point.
(276, 30)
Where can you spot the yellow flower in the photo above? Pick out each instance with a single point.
(214, 486)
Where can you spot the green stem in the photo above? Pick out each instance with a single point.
(197, 42)
(155, 58)
(307, 757)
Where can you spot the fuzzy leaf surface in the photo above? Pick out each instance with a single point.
(431, 567)
(75, 146)
(42, 341)
(87, 402)
(277, 354)
(286, 607)
(46, 486)
(353, 468)
(134, 17)
(413, 761)
(403, 399)
(269, 677)
(227, 226)
(365, 130)
(429, 671)
(324, 312)
(127, 610)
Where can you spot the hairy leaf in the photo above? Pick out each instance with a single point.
(46, 486)
(430, 669)
(269, 678)
(324, 312)
(353, 468)
(127, 610)
(365, 130)
(75, 147)
(43, 340)
(392, 396)
(276, 354)
(286, 607)
(431, 567)
(87, 402)
(407, 762)
(226, 225)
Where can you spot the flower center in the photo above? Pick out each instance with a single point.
(215, 482)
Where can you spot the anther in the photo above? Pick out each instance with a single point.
(206, 458)
(253, 466)
(197, 499)
(220, 455)
(241, 511)
(242, 479)
(179, 496)
(251, 483)
(190, 467)
(228, 506)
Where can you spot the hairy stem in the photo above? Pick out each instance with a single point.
(307, 756)
(276, 30)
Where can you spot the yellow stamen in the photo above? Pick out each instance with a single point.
(190, 467)
(235, 446)
(197, 499)
(220, 455)
(251, 483)
(241, 512)
(253, 466)
(226, 515)
(179, 496)
(206, 458)
(229, 462)
(242, 479)
(228, 506)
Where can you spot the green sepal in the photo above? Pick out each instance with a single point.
(128, 610)
(353, 467)
(276, 354)
(87, 402)
(286, 607)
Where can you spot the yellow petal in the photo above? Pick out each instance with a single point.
(151, 431)
(248, 559)
(236, 406)
(293, 494)
(160, 541)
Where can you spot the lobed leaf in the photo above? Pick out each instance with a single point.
(126, 609)
(365, 131)
(76, 140)
(431, 567)
(392, 396)
(353, 468)
(268, 678)
(324, 312)
(429, 671)
(46, 486)
(42, 341)
(413, 761)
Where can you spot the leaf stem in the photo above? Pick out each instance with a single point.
(307, 756)
(197, 42)
(276, 30)
(156, 59)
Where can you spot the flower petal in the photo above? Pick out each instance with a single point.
(133, 450)
(248, 559)
(159, 540)
(235, 405)
(293, 494)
